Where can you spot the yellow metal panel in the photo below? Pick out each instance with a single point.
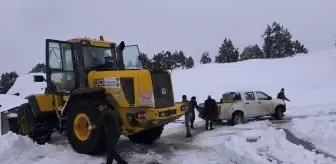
(142, 82)
(100, 43)
(44, 102)
(145, 85)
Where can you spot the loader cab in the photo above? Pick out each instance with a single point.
(69, 62)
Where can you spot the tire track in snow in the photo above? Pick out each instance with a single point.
(308, 146)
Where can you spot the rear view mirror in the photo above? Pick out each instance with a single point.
(39, 78)
(121, 46)
(270, 97)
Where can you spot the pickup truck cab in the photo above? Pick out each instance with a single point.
(236, 106)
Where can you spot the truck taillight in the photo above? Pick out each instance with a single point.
(141, 116)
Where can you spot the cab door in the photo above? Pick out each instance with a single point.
(265, 104)
(251, 105)
(60, 67)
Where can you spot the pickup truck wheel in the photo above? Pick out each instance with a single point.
(237, 118)
(279, 113)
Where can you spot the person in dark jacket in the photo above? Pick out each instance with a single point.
(191, 108)
(113, 126)
(187, 117)
(281, 95)
(210, 111)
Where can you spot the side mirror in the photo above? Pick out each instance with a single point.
(270, 97)
(121, 46)
(39, 78)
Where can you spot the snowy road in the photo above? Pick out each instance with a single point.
(262, 141)
(295, 139)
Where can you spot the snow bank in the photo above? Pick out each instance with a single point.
(232, 145)
(22, 150)
(307, 79)
(273, 145)
(10, 101)
(25, 85)
(320, 131)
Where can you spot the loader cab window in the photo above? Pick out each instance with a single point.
(60, 70)
(132, 58)
(98, 57)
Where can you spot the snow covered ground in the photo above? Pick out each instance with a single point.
(320, 131)
(309, 82)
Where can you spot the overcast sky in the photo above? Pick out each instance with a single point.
(193, 26)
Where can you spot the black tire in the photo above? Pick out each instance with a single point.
(147, 136)
(237, 118)
(32, 127)
(95, 142)
(279, 113)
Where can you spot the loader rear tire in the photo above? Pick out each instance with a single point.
(147, 136)
(31, 126)
(81, 114)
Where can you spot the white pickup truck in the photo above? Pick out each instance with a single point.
(235, 106)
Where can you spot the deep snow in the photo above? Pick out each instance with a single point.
(24, 86)
(320, 131)
(309, 82)
(308, 79)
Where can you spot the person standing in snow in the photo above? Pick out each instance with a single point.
(113, 126)
(187, 117)
(210, 111)
(191, 108)
(281, 95)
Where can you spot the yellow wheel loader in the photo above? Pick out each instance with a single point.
(84, 73)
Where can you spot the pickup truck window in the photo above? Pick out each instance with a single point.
(249, 96)
(237, 96)
(261, 96)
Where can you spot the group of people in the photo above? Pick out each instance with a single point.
(210, 106)
(113, 124)
(211, 109)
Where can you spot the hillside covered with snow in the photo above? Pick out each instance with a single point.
(309, 81)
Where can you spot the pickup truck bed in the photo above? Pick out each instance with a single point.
(201, 111)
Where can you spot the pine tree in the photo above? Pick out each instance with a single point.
(169, 62)
(298, 48)
(205, 59)
(252, 52)
(146, 63)
(158, 60)
(189, 63)
(7, 81)
(40, 67)
(277, 42)
(227, 52)
(182, 59)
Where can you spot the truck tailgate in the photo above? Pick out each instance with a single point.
(225, 112)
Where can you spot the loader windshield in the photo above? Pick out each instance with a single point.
(98, 57)
(132, 58)
(106, 58)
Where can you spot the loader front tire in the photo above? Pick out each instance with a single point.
(82, 114)
(31, 126)
(147, 136)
